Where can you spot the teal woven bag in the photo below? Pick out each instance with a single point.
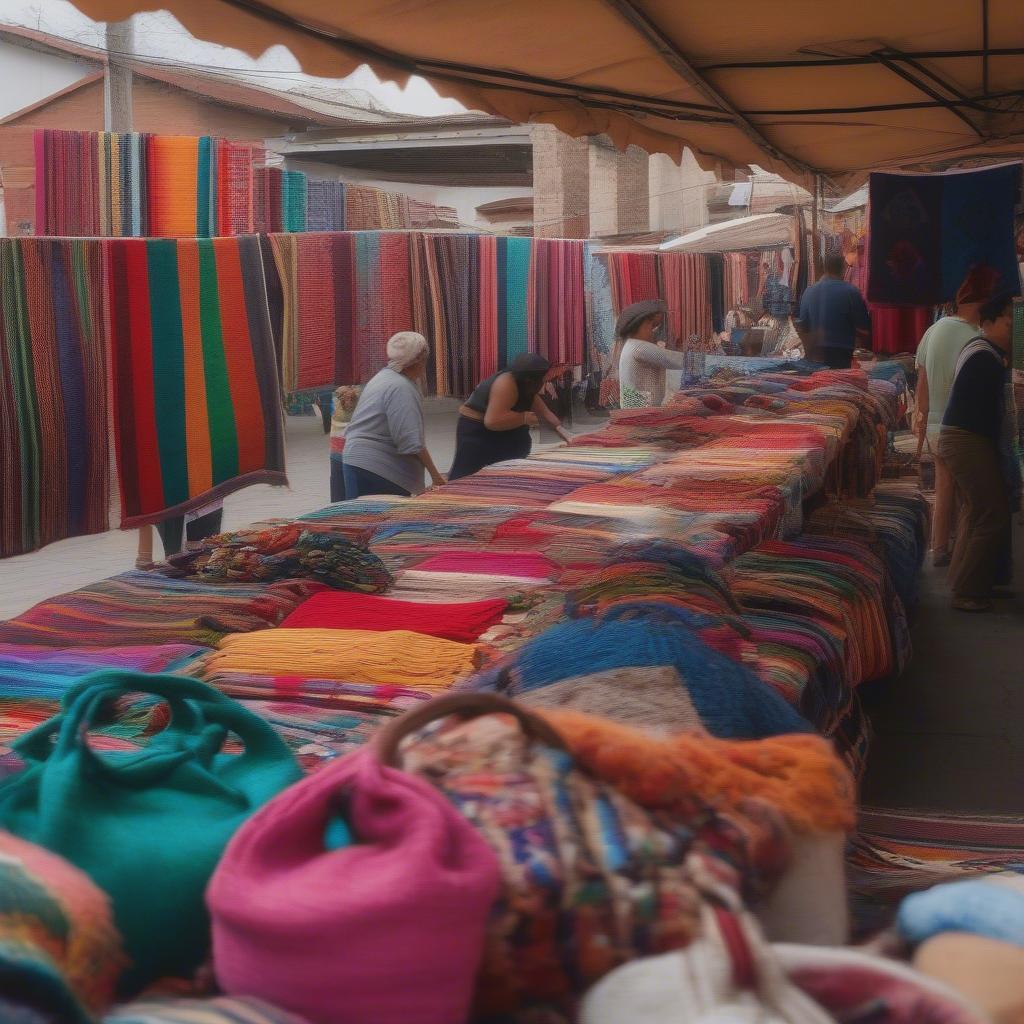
(147, 826)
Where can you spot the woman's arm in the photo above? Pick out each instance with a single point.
(653, 355)
(542, 412)
(922, 402)
(436, 478)
(500, 414)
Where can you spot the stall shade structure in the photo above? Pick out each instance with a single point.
(54, 460)
(196, 399)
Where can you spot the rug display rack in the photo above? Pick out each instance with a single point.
(139, 184)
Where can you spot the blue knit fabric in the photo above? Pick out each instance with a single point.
(731, 701)
(981, 906)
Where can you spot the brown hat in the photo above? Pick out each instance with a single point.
(979, 285)
(633, 316)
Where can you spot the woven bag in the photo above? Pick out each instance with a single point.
(358, 896)
(147, 826)
(590, 880)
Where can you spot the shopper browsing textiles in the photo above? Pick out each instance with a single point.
(494, 424)
(344, 403)
(641, 364)
(937, 357)
(971, 443)
(385, 444)
(834, 318)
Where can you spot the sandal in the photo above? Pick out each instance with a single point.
(968, 604)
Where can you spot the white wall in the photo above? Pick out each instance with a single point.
(463, 200)
(28, 76)
(678, 193)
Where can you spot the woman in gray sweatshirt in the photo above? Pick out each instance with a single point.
(385, 444)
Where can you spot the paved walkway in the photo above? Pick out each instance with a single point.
(950, 733)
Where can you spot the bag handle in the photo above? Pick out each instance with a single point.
(466, 706)
(201, 718)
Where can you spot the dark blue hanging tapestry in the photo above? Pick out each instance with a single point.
(928, 230)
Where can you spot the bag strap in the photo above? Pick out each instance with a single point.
(466, 706)
(201, 718)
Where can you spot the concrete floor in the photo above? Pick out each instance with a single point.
(949, 735)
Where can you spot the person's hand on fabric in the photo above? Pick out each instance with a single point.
(920, 425)
(563, 433)
(438, 479)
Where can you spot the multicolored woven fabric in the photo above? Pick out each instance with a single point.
(480, 301)
(896, 853)
(325, 206)
(344, 295)
(261, 555)
(54, 459)
(60, 952)
(281, 199)
(146, 608)
(134, 184)
(197, 405)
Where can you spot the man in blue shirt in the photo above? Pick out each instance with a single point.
(834, 318)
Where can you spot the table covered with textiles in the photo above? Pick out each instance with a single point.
(664, 625)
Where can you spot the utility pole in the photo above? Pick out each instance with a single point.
(117, 117)
(118, 81)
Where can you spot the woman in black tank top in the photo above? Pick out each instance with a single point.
(494, 424)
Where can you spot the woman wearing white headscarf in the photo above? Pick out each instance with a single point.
(385, 444)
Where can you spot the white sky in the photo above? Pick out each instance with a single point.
(160, 35)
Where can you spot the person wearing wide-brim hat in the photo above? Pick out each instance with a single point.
(494, 423)
(640, 364)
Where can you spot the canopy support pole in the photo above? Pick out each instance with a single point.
(984, 47)
(815, 267)
(675, 59)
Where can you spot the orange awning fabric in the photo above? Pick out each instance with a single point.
(798, 87)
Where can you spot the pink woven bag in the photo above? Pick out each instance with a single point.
(388, 928)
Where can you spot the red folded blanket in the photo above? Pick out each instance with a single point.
(463, 621)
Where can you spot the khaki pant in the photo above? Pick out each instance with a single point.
(973, 463)
(945, 505)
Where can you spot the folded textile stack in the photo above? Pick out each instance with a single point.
(281, 552)
(392, 658)
(147, 608)
(675, 605)
(708, 690)
(33, 679)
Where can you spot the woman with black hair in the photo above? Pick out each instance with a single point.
(973, 444)
(494, 424)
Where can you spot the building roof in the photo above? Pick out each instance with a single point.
(309, 105)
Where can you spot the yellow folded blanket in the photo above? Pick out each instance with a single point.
(397, 658)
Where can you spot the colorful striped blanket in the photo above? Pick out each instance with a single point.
(197, 404)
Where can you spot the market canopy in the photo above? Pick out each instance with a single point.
(798, 87)
(761, 231)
